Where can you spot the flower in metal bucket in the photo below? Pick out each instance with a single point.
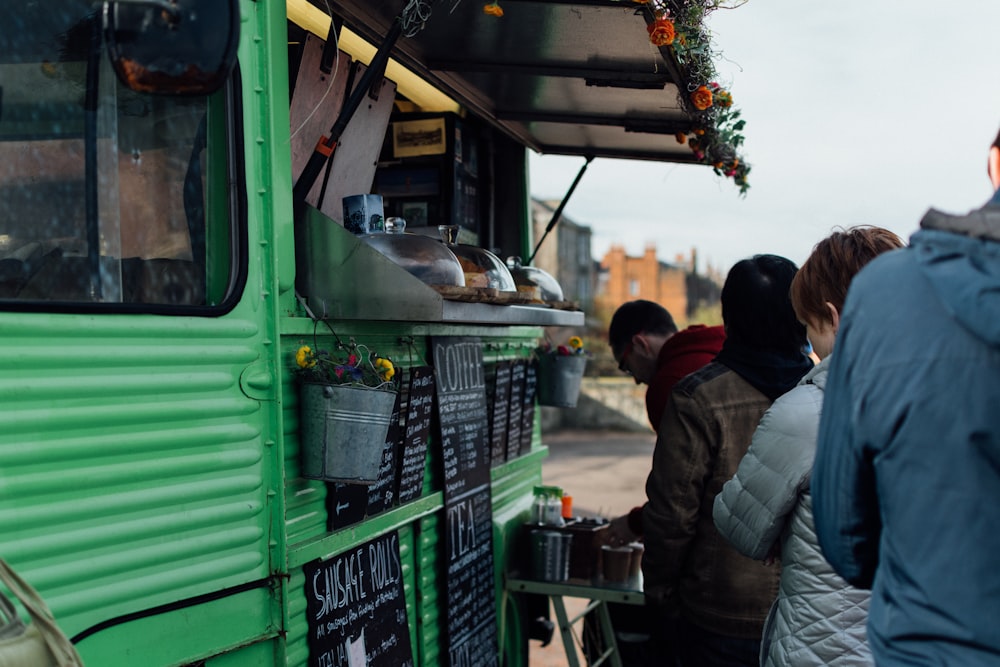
(349, 364)
(574, 345)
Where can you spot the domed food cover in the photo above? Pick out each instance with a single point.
(481, 267)
(530, 278)
(428, 259)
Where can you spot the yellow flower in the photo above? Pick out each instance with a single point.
(304, 357)
(385, 368)
(493, 9)
(576, 342)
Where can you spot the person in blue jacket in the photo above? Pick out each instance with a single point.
(906, 485)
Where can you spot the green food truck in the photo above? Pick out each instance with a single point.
(178, 274)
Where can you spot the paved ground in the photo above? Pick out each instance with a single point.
(605, 472)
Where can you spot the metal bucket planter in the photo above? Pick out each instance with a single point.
(343, 432)
(559, 379)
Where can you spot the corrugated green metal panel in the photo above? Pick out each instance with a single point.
(305, 500)
(186, 635)
(131, 463)
(296, 642)
(512, 496)
(261, 654)
(407, 554)
(431, 610)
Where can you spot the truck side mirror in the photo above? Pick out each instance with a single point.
(172, 47)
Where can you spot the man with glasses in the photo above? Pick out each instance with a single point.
(647, 345)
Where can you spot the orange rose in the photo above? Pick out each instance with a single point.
(493, 9)
(661, 32)
(681, 137)
(701, 98)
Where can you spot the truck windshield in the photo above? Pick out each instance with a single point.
(106, 195)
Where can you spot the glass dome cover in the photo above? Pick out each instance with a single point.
(531, 276)
(481, 267)
(425, 258)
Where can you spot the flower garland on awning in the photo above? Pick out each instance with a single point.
(678, 25)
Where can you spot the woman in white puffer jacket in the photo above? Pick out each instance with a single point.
(765, 510)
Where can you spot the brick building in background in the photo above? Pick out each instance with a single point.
(677, 287)
(600, 287)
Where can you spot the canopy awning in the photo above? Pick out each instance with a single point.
(569, 78)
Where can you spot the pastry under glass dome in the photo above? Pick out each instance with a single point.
(481, 267)
(530, 277)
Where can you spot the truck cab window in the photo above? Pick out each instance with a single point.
(106, 195)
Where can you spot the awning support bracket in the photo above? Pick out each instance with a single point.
(559, 209)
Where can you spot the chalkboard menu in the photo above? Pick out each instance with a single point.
(346, 504)
(461, 401)
(515, 415)
(382, 494)
(356, 609)
(528, 406)
(499, 405)
(419, 411)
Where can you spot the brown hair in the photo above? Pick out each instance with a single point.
(834, 262)
(996, 144)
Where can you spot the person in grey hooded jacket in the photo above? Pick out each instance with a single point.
(907, 476)
(766, 508)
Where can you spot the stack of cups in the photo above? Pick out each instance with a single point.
(550, 555)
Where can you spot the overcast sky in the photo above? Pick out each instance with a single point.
(858, 112)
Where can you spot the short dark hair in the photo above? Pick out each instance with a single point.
(834, 262)
(638, 316)
(756, 307)
(996, 142)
